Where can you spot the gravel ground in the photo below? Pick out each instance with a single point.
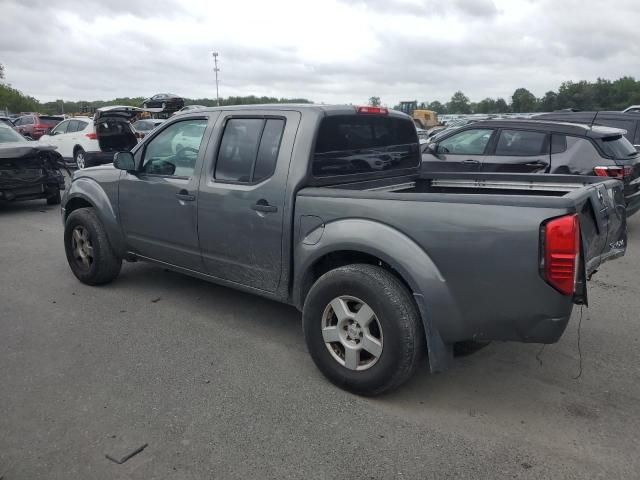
(219, 385)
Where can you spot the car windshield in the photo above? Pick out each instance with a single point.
(617, 147)
(8, 134)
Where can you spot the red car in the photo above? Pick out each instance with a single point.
(34, 126)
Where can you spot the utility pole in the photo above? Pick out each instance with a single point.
(216, 70)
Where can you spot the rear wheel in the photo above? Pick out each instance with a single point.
(363, 329)
(90, 256)
(79, 158)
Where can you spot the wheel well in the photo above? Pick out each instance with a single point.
(76, 148)
(338, 259)
(75, 204)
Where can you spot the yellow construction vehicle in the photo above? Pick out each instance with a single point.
(422, 118)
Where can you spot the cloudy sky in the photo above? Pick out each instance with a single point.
(324, 50)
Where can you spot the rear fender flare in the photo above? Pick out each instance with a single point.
(429, 288)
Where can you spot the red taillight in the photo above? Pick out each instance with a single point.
(91, 136)
(373, 110)
(561, 253)
(613, 172)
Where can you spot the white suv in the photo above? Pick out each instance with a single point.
(74, 137)
(93, 141)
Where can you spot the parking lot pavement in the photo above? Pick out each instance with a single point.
(219, 384)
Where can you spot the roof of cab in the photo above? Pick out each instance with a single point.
(318, 108)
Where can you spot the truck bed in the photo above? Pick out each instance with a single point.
(482, 233)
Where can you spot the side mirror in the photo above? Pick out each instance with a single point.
(124, 161)
(432, 148)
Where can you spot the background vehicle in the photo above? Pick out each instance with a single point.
(87, 142)
(28, 170)
(73, 138)
(424, 119)
(35, 125)
(381, 261)
(143, 127)
(168, 102)
(9, 135)
(525, 146)
(626, 121)
(632, 109)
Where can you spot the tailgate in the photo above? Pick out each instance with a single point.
(603, 223)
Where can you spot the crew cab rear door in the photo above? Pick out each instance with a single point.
(242, 194)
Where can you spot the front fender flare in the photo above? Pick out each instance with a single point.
(430, 290)
(91, 192)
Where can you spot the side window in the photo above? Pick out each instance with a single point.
(61, 128)
(558, 143)
(469, 142)
(521, 143)
(269, 148)
(174, 151)
(18, 122)
(73, 126)
(81, 125)
(249, 149)
(29, 121)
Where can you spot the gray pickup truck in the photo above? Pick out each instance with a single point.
(324, 208)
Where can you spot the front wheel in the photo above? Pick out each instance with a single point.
(89, 254)
(363, 329)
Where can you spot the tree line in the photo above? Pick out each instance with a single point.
(602, 94)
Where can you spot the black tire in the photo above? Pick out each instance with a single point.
(403, 343)
(54, 199)
(105, 265)
(79, 158)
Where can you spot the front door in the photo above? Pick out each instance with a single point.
(519, 151)
(158, 203)
(461, 152)
(242, 198)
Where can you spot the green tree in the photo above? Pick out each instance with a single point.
(437, 107)
(488, 105)
(523, 101)
(459, 103)
(374, 101)
(549, 102)
(1, 71)
(501, 106)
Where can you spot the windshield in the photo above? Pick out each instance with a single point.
(8, 134)
(617, 147)
(351, 144)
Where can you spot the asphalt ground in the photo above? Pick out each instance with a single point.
(218, 383)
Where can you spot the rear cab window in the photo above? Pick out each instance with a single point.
(49, 121)
(354, 144)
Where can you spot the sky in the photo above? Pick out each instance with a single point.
(330, 51)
